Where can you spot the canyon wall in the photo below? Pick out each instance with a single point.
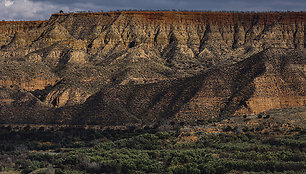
(224, 64)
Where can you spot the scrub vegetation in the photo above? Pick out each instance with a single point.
(148, 150)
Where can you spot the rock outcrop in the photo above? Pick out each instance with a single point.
(140, 67)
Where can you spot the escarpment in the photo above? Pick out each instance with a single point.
(141, 67)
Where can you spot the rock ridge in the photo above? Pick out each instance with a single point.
(255, 60)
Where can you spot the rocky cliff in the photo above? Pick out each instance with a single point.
(141, 67)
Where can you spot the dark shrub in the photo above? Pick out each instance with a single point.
(259, 116)
(227, 129)
(267, 116)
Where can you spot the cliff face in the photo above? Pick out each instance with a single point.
(183, 65)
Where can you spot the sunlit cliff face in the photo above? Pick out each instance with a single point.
(127, 66)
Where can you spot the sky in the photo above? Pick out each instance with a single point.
(42, 9)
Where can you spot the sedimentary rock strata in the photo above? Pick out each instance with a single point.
(141, 67)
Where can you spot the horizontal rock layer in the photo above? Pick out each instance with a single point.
(182, 65)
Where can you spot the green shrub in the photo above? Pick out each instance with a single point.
(30, 166)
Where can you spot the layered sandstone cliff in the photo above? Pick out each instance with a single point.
(183, 65)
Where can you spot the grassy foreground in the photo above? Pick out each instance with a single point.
(79, 150)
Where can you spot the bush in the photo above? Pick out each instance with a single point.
(267, 116)
(163, 135)
(227, 129)
(260, 127)
(30, 166)
(207, 168)
(178, 170)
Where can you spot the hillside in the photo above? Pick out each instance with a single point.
(122, 68)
